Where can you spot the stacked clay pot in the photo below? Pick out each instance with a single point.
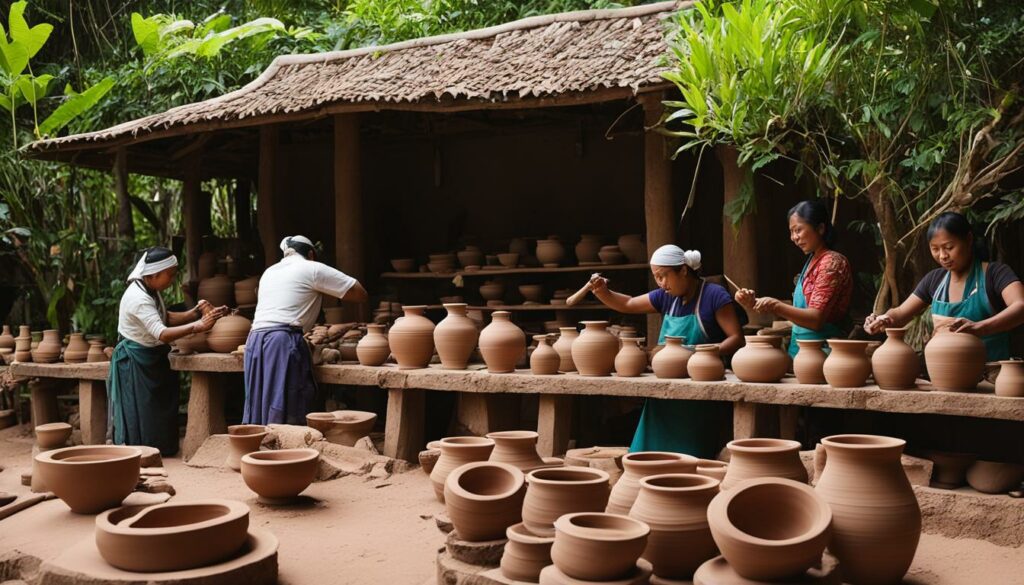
(278, 477)
(705, 365)
(631, 361)
(483, 499)
(809, 363)
(228, 333)
(633, 247)
(876, 521)
(671, 360)
(760, 360)
(456, 452)
(90, 478)
(48, 350)
(23, 345)
(373, 349)
(595, 547)
(550, 252)
(525, 555)
(517, 448)
(895, 364)
(955, 361)
(242, 440)
(556, 491)
(245, 291)
(593, 352)
(847, 365)
(1010, 381)
(544, 360)
(587, 249)
(502, 343)
(563, 345)
(455, 337)
(639, 465)
(412, 338)
(752, 458)
(77, 349)
(217, 290)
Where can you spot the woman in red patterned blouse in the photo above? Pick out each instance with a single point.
(823, 289)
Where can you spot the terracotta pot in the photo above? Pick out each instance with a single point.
(195, 343)
(403, 264)
(611, 255)
(455, 337)
(876, 521)
(675, 506)
(427, 459)
(349, 426)
(172, 536)
(502, 343)
(631, 361)
(594, 546)
(483, 499)
(950, 469)
(77, 349)
(509, 259)
(550, 253)
(712, 468)
(22, 349)
(563, 345)
(218, 290)
(809, 363)
(587, 249)
(544, 360)
(556, 491)
(993, 477)
(637, 466)
(278, 477)
(245, 291)
(671, 361)
(243, 439)
(48, 350)
(593, 352)
(770, 528)
(847, 366)
(895, 364)
(955, 361)
(6, 339)
(633, 247)
(752, 458)
(455, 452)
(1010, 381)
(517, 448)
(52, 435)
(705, 365)
(228, 333)
(321, 421)
(373, 349)
(95, 353)
(760, 361)
(492, 291)
(90, 478)
(470, 257)
(526, 554)
(532, 292)
(412, 338)
(207, 265)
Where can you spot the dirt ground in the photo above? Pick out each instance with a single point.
(382, 531)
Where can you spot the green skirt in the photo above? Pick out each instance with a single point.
(143, 397)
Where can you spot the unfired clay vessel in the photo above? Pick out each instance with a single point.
(955, 361)
(49, 348)
(373, 348)
(492, 291)
(611, 255)
(705, 365)
(228, 333)
(483, 499)
(847, 366)
(349, 426)
(90, 478)
(455, 452)
(760, 361)
(631, 361)
(994, 477)
(712, 468)
(526, 554)
(593, 352)
(195, 343)
(6, 339)
(633, 247)
(95, 353)
(950, 469)
(671, 361)
(243, 439)
(639, 465)
(1010, 381)
(245, 291)
(77, 349)
(217, 290)
(675, 506)
(587, 249)
(594, 546)
(52, 435)
(517, 448)
(321, 421)
(502, 343)
(278, 477)
(455, 337)
(809, 363)
(550, 252)
(544, 360)
(763, 458)
(563, 345)
(412, 338)
(895, 364)
(562, 490)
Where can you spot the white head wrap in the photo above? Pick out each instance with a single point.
(143, 268)
(288, 250)
(672, 255)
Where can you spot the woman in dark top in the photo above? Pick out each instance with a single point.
(967, 294)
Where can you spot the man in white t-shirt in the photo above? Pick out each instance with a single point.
(279, 385)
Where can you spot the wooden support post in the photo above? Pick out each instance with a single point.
(739, 243)
(43, 393)
(270, 138)
(349, 250)
(125, 224)
(750, 420)
(789, 418)
(479, 414)
(92, 411)
(554, 424)
(205, 411)
(403, 432)
(659, 209)
(193, 216)
(243, 208)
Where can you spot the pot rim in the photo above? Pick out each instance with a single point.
(262, 430)
(356, 417)
(128, 453)
(597, 324)
(464, 441)
(810, 342)
(519, 533)
(449, 306)
(258, 457)
(597, 476)
(414, 308)
(452, 481)
(849, 343)
(822, 522)
(707, 347)
(499, 435)
(654, 458)
(850, 441)
(763, 445)
(711, 463)
(51, 427)
(568, 328)
(635, 529)
(233, 511)
(1011, 362)
(701, 483)
(320, 416)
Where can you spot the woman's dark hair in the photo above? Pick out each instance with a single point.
(156, 254)
(302, 248)
(814, 212)
(957, 225)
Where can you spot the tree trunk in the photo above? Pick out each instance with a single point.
(125, 225)
(904, 263)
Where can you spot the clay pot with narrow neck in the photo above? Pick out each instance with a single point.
(455, 337)
(876, 521)
(218, 290)
(24, 332)
(23, 349)
(1010, 381)
(705, 365)
(593, 546)
(675, 506)
(809, 363)
(955, 361)
(637, 466)
(594, 350)
(6, 339)
(554, 492)
(373, 349)
(847, 366)
(228, 333)
(52, 435)
(633, 247)
(563, 345)
(518, 448)
(894, 363)
(544, 360)
(483, 499)
(278, 477)
(550, 252)
(245, 291)
(242, 440)
(763, 458)
(525, 555)
(671, 361)
(502, 343)
(95, 353)
(631, 361)
(90, 478)
(760, 361)
(455, 452)
(587, 249)
(77, 349)
(412, 338)
(49, 348)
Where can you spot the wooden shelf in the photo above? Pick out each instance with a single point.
(583, 307)
(513, 271)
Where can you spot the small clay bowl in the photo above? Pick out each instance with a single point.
(90, 478)
(509, 259)
(403, 264)
(597, 546)
(278, 477)
(52, 435)
(321, 421)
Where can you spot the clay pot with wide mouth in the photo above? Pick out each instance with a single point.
(455, 452)
(412, 338)
(544, 360)
(639, 465)
(712, 468)
(321, 421)
(949, 470)
(349, 426)
(217, 290)
(955, 361)
(994, 477)
(516, 448)
(470, 256)
(611, 255)
(770, 528)
(595, 546)
(455, 337)
(278, 477)
(809, 363)
(526, 554)
(509, 259)
(632, 245)
(533, 293)
(1010, 381)
(563, 345)
(403, 264)
(90, 478)
(373, 349)
(848, 365)
(502, 343)
(483, 499)
(672, 359)
(492, 291)
(894, 363)
(675, 506)
(631, 361)
(174, 536)
(593, 352)
(752, 458)
(760, 360)
(705, 365)
(228, 333)
(77, 349)
(550, 252)
(49, 348)
(562, 490)
(52, 435)
(243, 439)
(95, 353)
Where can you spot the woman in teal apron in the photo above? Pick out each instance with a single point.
(699, 312)
(967, 294)
(823, 290)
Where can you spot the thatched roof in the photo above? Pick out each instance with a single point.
(532, 62)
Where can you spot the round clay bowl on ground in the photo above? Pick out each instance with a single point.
(675, 506)
(349, 426)
(90, 478)
(955, 361)
(847, 366)
(517, 448)
(321, 421)
(752, 458)
(563, 490)
(639, 465)
(994, 477)
(278, 477)
(483, 499)
(770, 528)
(597, 546)
(172, 536)
(52, 435)
(526, 554)
(243, 439)
(455, 452)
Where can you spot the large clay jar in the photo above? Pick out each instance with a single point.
(955, 361)
(245, 291)
(593, 546)
(455, 452)
(502, 343)
(173, 536)
(631, 361)
(705, 365)
(455, 337)
(243, 439)
(373, 348)
(763, 458)
(49, 348)
(217, 290)
(563, 345)
(525, 554)
(809, 363)
(634, 249)
(876, 521)
(52, 435)
(550, 253)
(671, 361)
(228, 333)
(1010, 381)
(587, 249)
(544, 360)
(517, 448)
(556, 491)
(847, 366)
(639, 465)
(895, 364)
(90, 478)
(675, 506)
(593, 352)
(6, 339)
(77, 349)
(993, 477)
(278, 477)
(412, 338)
(769, 528)
(483, 499)
(760, 361)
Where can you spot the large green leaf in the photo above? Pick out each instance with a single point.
(75, 106)
(33, 88)
(33, 38)
(13, 58)
(146, 32)
(212, 45)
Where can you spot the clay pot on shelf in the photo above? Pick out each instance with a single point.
(526, 554)
(195, 343)
(637, 466)
(77, 349)
(412, 338)
(671, 360)
(633, 247)
(172, 536)
(550, 252)
(809, 363)
(769, 528)
(52, 435)
(563, 345)
(950, 469)
(245, 291)
(876, 521)
(349, 426)
(594, 546)
(752, 458)
(90, 478)
(502, 343)
(712, 468)
(993, 477)
(533, 293)
(705, 365)
(228, 333)
(509, 259)
(955, 361)
(593, 352)
(22, 349)
(278, 477)
(847, 366)
(517, 448)
(218, 290)
(492, 291)
(49, 348)
(554, 492)
(471, 256)
(675, 506)
(545, 360)
(1010, 381)
(95, 353)
(455, 452)
(631, 361)
(403, 264)
(895, 364)
(373, 349)
(587, 249)
(455, 337)
(611, 255)
(483, 499)
(6, 339)
(207, 265)
(760, 361)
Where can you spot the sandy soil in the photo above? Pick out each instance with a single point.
(354, 531)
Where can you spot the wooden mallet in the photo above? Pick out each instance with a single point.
(582, 293)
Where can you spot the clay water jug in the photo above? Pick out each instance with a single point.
(760, 361)
(876, 521)
(502, 343)
(557, 491)
(675, 506)
(412, 338)
(705, 365)
(228, 333)
(594, 350)
(544, 360)
(587, 249)
(517, 448)
(809, 363)
(49, 348)
(563, 345)
(631, 361)
(6, 339)
(77, 349)
(550, 252)
(633, 247)
(373, 348)
(1010, 381)
(847, 366)
(955, 361)
(671, 361)
(245, 291)
(895, 363)
(455, 337)
(456, 452)
(218, 290)
(639, 465)
(752, 458)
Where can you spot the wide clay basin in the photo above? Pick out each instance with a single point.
(279, 476)
(174, 536)
(90, 478)
(52, 435)
(349, 426)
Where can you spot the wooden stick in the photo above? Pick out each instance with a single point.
(729, 280)
(582, 293)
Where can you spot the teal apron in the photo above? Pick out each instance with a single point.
(975, 307)
(828, 331)
(681, 426)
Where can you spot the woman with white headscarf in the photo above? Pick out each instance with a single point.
(142, 387)
(698, 311)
